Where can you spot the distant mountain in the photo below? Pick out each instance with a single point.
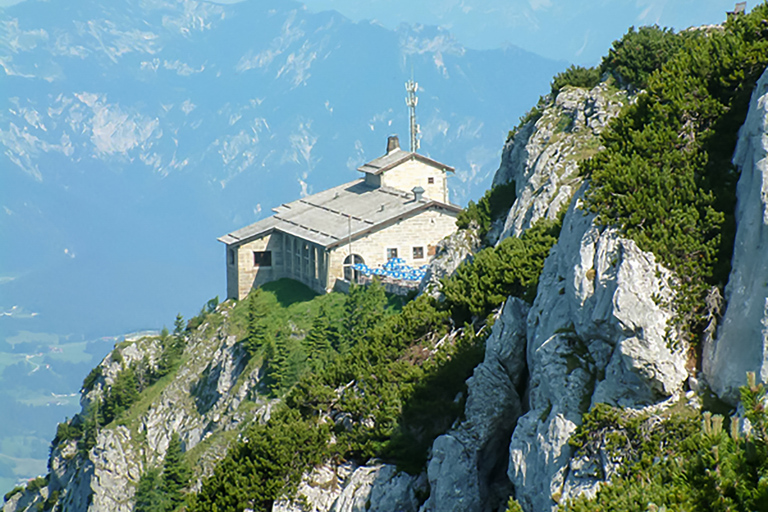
(135, 132)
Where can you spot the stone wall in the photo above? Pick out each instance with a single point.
(423, 230)
(413, 173)
(242, 274)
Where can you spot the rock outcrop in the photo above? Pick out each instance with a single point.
(467, 462)
(346, 488)
(597, 332)
(202, 399)
(543, 157)
(741, 344)
(451, 252)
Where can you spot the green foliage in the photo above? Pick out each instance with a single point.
(512, 268)
(686, 462)
(90, 379)
(13, 492)
(149, 496)
(67, 431)
(665, 177)
(178, 325)
(176, 473)
(206, 310)
(576, 76)
(119, 396)
(495, 202)
(430, 407)
(322, 338)
(268, 464)
(513, 506)
(262, 321)
(364, 308)
(90, 427)
(163, 492)
(36, 484)
(51, 500)
(639, 53)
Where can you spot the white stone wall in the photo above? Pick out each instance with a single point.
(243, 275)
(413, 173)
(423, 230)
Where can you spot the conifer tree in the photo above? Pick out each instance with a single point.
(319, 339)
(178, 325)
(258, 327)
(149, 497)
(363, 308)
(176, 473)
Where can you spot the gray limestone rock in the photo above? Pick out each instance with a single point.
(451, 252)
(597, 332)
(465, 461)
(543, 158)
(741, 344)
(345, 488)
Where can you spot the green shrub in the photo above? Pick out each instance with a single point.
(36, 484)
(685, 462)
(665, 176)
(575, 76)
(511, 268)
(495, 202)
(639, 53)
(51, 500)
(67, 431)
(13, 492)
(267, 465)
(90, 379)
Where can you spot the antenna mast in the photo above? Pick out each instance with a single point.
(411, 100)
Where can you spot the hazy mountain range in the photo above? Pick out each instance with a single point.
(135, 132)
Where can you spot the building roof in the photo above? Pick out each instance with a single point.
(395, 158)
(333, 216)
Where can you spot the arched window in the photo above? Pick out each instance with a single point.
(350, 274)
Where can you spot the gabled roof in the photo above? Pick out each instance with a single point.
(331, 217)
(395, 158)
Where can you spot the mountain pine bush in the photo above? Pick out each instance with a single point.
(665, 176)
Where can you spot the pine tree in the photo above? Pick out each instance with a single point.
(258, 326)
(176, 473)
(149, 497)
(178, 325)
(319, 339)
(363, 308)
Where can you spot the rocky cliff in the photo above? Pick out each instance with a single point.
(202, 400)
(741, 344)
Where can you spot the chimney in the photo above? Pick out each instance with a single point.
(417, 193)
(393, 143)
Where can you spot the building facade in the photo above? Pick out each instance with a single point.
(398, 209)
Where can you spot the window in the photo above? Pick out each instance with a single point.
(231, 256)
(262, 258)
(431, 250)
(391, 253)
(418, 253)
(431, 181)
(350, 274)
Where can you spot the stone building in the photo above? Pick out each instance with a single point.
(398, 209)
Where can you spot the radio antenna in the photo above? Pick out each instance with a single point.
(411, 100)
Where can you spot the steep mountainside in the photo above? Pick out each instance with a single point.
(567, 363)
